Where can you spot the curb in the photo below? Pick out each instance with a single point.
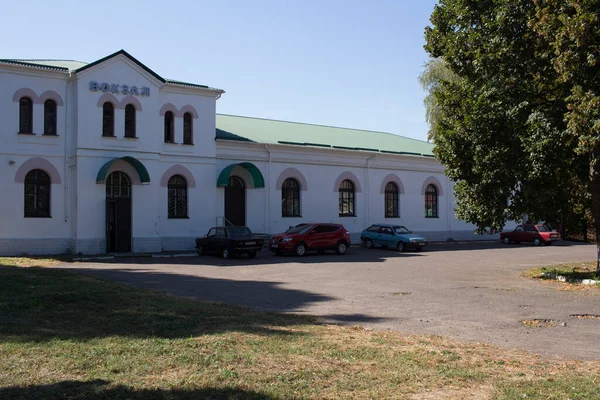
(133, 255)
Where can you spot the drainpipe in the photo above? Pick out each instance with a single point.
(268, 192)
(448, 206)
(66, 156)
(367, 192)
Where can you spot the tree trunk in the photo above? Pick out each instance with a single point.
(595, 189)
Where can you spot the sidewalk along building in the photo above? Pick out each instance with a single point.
(112, 157)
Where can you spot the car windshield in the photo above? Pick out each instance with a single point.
(400, 229)
(238, 231)
(543, 228)
(302, 228)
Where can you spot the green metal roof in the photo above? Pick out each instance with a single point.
(230, 127)
(135, 163)
(257, 177)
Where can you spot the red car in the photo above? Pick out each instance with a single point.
(537, 234)
(305, 237)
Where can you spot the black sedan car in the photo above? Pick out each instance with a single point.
(229, 241)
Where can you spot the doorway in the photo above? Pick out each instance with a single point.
(235, 201)
(118, 213)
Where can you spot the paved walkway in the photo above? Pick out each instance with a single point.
(472, 292)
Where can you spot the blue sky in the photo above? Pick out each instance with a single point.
(350, 63)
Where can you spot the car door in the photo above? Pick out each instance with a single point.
(330, 235)
(530, 233)
(376, 236)
(220, 241)
(208, 242)
(518, 234)
(387, 237)
(315, 237)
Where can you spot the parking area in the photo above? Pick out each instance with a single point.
(471, 292)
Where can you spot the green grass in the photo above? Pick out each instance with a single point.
(572, 271)
(69, 336)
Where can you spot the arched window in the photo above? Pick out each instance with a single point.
(118, 185)
(391, 201)
(187, 128)
(431, 201)
(169, 129)
(130, 121)
(346, 205)
(108, 119)
(290, 198)
(37, 194)
(49, 117)
(177, 197)
(25, 115)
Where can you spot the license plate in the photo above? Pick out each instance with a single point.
(421, 243)
(553, 236)
(249, 243)
(274, 245)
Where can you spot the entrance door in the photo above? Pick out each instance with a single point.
(235, 201)
(118, 213)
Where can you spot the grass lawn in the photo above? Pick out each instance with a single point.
(69, 336)
(572, 271)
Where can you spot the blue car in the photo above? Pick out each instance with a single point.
(387, 235)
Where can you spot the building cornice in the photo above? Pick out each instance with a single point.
(358, 154)
(236, 150)
(32, 70)
(170, 87)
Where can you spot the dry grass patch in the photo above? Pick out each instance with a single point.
(66, 336)
(572, 272)
(30, 261)
(539, 323)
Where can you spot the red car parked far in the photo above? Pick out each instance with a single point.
(304, 237)
(536, 234)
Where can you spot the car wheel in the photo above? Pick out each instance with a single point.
(300, 249)
(251, 254)
(200, 250)
(225, 253)
(341, 248)
(536, 242)
(368, 243)
(506, 240)
(400, 247)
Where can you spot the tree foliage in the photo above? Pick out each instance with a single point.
(514, 128)
(434, 73)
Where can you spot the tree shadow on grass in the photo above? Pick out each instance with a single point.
(101, 389)
(44, 304)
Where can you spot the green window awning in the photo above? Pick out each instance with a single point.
(257, 178)
(135, 163)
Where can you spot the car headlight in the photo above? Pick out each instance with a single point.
(414, 239)
(286, 240)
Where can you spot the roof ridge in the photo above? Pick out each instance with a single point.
(325, 126)
(44, 59)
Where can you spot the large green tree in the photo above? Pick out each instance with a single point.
(519, 129)
(434, 73)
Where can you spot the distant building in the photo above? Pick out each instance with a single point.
(111, 157)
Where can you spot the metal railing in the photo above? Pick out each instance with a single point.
(222, 221)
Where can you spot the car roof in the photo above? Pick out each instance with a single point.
(319, 223)
(388, 225)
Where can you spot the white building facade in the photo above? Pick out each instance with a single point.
(111, 157)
